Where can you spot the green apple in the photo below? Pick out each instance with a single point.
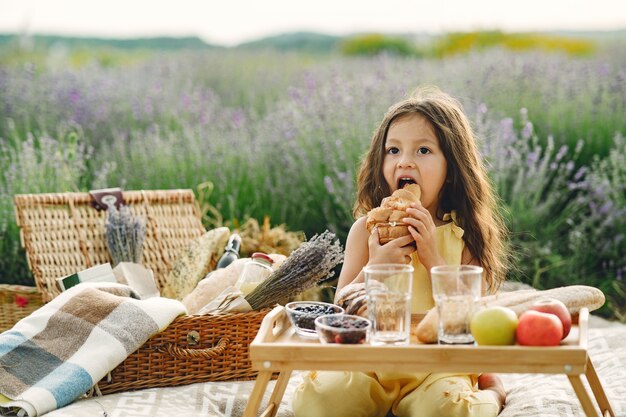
(494, 326)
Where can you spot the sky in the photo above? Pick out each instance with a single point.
(229, 22)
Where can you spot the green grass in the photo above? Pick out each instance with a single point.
(282, 135)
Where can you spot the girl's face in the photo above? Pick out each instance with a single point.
(412, 154)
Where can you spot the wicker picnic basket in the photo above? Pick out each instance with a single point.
(17, 302)
(63, 234)
(192, 349)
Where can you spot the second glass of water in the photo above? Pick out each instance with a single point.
(456, 288)
(388, 288)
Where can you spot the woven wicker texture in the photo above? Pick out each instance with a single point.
(192, 349)
(17, 302)
(63, 234)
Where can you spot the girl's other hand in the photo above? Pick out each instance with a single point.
(422, 229)
(397, 251)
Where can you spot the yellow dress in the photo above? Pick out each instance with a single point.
(406, 394)
(450, 246)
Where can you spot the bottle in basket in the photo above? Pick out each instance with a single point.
(231, 253)
(254, 272)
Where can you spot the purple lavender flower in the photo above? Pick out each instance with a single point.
(527, 131)
(328, 183)
(125, 234)
(580, 173)
(561, 153)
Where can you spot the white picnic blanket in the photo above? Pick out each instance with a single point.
(528, 395)
(55, 355)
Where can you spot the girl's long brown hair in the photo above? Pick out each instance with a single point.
(467, 189)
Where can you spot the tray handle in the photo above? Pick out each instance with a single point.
(207, 353)
(273, 324)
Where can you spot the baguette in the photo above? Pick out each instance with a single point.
(574, 297)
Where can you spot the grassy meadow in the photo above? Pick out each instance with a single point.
(259, 133)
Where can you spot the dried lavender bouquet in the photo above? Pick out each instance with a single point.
(124, 235)
(311, 263)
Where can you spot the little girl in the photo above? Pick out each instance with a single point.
(427, 140)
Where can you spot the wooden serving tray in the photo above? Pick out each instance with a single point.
(277, 348)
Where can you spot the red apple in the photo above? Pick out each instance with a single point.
(539, 329)
(556, 307)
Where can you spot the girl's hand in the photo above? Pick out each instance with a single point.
(397, 251)
(422, 229)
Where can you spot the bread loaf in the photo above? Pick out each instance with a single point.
(194, 262)
(574, 297)
(220, 279)
(388, 217)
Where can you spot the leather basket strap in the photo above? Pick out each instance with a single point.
(106, 197)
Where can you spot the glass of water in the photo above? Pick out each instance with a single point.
(456, 288)
(388, 288)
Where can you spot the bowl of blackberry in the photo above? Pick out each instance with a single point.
(302, 315)
(342, 328)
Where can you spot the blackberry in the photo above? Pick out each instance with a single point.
(356, 336)
(308, 313)
(345, 324)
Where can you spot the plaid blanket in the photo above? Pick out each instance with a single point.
(60, 351)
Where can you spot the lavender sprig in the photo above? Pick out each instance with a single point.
(124, 235)
(311, 263)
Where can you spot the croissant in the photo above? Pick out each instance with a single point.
(388, 217)
(353, 299)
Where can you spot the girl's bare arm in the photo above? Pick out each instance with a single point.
(356, 254)
(362, 248)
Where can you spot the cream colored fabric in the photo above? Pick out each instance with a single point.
(450, 245)
(528, 395)
(359, 394)
(217, 281)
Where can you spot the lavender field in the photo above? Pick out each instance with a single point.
(274, 134)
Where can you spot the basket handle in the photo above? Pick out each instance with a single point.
(207, 353)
